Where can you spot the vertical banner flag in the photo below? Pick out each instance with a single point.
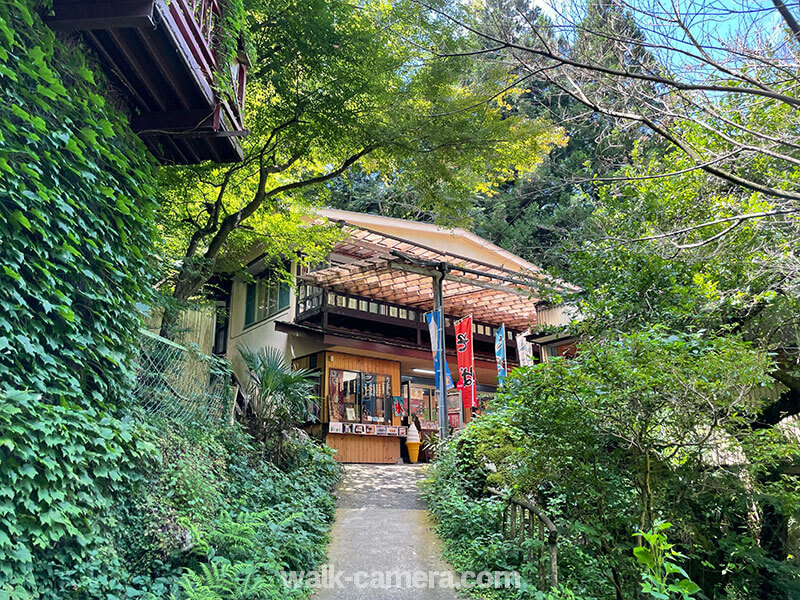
(500, 352)
(466, 363)
(433, 319)
(525, 351)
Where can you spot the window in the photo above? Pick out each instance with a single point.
(266, 296)
(424, 405)
(220, 344)
(359, 397)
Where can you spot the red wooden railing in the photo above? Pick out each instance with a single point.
(196, 20)
(205, 13)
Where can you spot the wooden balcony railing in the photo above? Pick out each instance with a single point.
(313, 301)
(205, 13)
(165, 53)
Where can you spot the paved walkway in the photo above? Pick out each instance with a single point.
(382, 525)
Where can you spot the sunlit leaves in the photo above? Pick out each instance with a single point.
(331, 79)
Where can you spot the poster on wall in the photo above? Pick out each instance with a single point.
(466, 363)
(380, 430)
(336, 396)
(369, 429)
(454, 420)
(417, 401)
(368, 395)
(397, 404)
(334, 427)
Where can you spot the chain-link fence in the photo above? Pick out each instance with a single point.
(180, 382)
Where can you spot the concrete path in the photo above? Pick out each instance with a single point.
(382, 535)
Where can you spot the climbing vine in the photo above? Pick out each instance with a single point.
(76, 203)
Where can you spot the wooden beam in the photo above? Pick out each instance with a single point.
(461, 279)
(110, 14)
(173, 121)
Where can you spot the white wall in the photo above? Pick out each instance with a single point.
(558, 315)
(262, 333)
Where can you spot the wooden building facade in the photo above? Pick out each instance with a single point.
(358, 321)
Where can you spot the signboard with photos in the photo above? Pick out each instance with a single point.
(364, 429)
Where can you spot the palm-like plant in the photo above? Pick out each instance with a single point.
(279, 396)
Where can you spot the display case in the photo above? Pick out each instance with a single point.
(361, 416)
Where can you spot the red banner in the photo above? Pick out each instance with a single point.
(466, 363)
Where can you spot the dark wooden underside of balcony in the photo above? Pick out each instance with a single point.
(160, 55)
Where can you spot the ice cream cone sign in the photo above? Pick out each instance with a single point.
(412, 443)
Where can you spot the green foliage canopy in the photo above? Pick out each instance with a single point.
(335, 84)
(638, 428)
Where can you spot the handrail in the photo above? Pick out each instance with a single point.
(512, 533)
(204, 12)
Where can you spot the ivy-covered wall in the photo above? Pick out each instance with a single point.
(76, 202)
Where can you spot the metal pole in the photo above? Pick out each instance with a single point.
(505, 350)
(441, 384)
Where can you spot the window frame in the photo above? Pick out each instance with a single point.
(381, 386)
(272, 286)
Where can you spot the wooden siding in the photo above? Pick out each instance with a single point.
(194, 326)
(357, 448)
(365, 448)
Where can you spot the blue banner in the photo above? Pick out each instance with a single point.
(500, 352)
(433, 319)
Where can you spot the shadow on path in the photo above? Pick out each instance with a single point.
(382, 531)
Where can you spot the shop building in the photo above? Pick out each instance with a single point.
(359, 321)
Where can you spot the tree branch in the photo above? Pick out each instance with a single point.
(737, 219)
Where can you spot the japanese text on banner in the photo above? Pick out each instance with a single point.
(466, 362)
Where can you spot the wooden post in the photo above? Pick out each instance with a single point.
(540, 559)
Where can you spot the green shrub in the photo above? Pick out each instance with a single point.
(215, 515)
(628, 433)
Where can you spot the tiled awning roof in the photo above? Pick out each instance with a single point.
(394, 270)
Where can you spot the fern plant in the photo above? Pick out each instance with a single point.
(223, 580)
